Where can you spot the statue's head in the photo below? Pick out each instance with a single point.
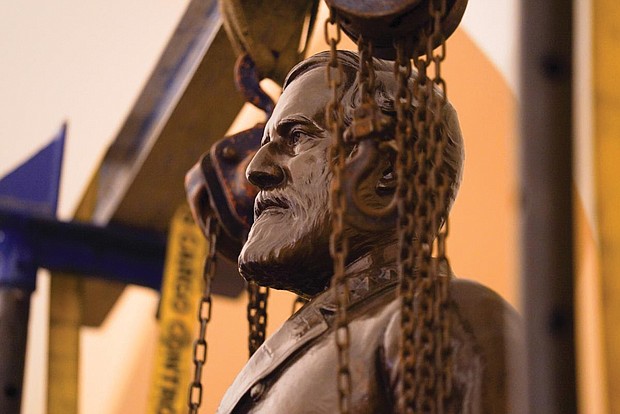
(288, 245)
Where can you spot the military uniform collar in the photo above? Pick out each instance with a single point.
(365, 276)
(361, 286)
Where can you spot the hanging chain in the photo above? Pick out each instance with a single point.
(204, 316)
(338, 245)
(405, 223)
(257, 315)
(441, 184)
(423, 339)
(426, 352)
(366, 73)
(422, 194)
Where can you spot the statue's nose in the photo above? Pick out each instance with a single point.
(264, 171)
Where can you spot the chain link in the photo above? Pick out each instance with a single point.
(257, 315)
(366, 73)
(338, 245)
(204, 316)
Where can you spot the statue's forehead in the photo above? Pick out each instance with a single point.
(307, 95)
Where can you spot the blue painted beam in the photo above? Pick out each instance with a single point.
(127, 255)
(32, 238)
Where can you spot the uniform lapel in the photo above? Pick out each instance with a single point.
(306, 325)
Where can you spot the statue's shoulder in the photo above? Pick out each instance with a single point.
(487, 336)
(484, 313)
(477, 302)
(497, 332)
(473, 303)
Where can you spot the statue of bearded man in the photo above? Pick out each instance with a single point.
(295, 370)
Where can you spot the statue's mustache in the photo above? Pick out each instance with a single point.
(271, 199)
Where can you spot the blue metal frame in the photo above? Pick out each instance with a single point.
(29, 242)
(32, 238)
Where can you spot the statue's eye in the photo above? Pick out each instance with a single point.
(295, 136)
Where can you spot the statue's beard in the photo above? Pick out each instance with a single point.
(288, 245)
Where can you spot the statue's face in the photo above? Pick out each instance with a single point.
(288, 245)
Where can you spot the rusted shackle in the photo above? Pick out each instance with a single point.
(383, 21)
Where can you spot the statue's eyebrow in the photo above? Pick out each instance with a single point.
(310, 127)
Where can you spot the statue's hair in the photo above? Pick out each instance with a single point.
(454, 152)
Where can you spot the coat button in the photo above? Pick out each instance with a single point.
(257, 391)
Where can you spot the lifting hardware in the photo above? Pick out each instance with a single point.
(407, 32)
(250, 30)
(381, 22)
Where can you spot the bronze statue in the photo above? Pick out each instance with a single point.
(294, 371)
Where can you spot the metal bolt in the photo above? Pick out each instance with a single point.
(256, 392)
(229, 153)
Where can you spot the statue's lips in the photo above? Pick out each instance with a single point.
(264, 203)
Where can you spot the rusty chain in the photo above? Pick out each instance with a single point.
(405, 222)
(204, 316)
(338, 243)
(425, 348)
(442, 322)
(366, 73)
(257, 315)
(422, 197)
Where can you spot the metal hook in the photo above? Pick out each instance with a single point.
(370, 130)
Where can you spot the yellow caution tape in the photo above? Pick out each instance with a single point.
(181, 291)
